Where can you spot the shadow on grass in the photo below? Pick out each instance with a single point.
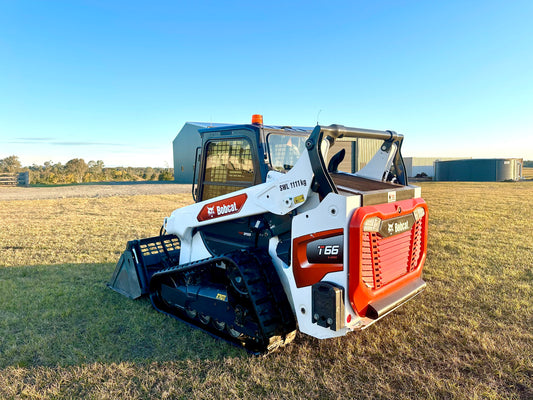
(59, 315)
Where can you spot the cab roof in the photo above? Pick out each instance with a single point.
(210, 126)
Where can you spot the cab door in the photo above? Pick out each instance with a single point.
(228, 165)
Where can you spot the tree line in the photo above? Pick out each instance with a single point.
(79, 171)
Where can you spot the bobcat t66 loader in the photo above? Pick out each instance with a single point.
(281, 238)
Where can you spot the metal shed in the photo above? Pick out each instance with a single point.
(424, 165)
(479, 170)
(358, 152)
(184, 148)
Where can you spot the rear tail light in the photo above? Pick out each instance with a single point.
(419, 212)
(372, 224)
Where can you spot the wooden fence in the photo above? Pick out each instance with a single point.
(15, 179)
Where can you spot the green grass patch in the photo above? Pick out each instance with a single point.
(64, 334)
(63, 315)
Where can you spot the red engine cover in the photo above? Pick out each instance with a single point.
(382, 261)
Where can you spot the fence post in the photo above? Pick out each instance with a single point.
(24, 179)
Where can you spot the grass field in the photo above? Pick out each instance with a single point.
(64, 335)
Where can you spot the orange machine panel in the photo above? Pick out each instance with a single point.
(317, 254)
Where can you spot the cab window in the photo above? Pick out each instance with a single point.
(284, 150)
(228, 167)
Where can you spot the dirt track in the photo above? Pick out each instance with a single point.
(96, 190)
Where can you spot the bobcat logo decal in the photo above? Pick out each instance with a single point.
(222, 208)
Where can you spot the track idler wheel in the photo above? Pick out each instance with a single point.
(234, 333)
(219, 325)
(204, 319)
(191, 312)
(236, 280)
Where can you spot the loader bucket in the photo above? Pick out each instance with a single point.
(125, 279)
(141, 259)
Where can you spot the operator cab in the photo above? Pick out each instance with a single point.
(235, 157)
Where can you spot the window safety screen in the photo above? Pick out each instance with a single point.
(228, 167)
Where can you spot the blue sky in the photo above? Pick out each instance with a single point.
(116, 80)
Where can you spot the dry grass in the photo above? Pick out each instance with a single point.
(62, 231)
(527, 173)
(64, 335)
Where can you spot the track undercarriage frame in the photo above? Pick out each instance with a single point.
(237, 296)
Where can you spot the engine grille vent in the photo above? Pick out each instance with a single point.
(386, 259)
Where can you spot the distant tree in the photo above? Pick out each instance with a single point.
(148, 173)
(77, 171)
(166, 175)
(96, 170)
(10, 164)
(132, 174)
(117, 174)
(77, 168)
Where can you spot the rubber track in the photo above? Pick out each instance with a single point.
(273, 313)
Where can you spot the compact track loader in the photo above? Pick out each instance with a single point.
(279, 238)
